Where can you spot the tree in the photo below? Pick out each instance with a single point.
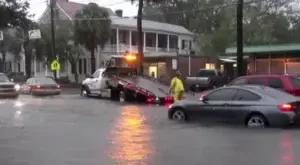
(92, 29)
(264, 22)
(239, 40)
(73, 53)
(13, 13)
(11, 43)
(33, 48)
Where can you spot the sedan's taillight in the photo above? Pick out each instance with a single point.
(287, 107)
(39, 86)
(57, 86)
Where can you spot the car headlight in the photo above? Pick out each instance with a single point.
(17, 87)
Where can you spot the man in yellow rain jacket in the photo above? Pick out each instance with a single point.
(176, 87)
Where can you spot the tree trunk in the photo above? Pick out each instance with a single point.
(74, 70)
(3, 61)
(140, 36)
(28, 63)
(240, 44)
(93, 61)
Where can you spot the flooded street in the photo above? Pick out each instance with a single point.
(69, 130)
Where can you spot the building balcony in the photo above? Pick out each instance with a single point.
(112, 49)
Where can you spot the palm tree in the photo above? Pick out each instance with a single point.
(92, 29)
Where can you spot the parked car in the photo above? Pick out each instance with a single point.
(250, 105)
(206, 79)
(287, 83)
(8, 88)
(41, 86)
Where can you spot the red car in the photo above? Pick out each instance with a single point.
(287, 83)
(41, 86)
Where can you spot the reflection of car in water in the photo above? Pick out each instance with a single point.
(251, 105)
(7, 87)
(119, 81)
(41, 86)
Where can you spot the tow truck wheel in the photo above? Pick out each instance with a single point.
(122, 97)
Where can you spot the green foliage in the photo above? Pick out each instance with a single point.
(11, 43)
(92, 29)
(89, 31)
(265, 22)
(13, 13)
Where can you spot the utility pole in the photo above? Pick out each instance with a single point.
(52, 7)
(239, 39)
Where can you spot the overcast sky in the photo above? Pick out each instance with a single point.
(38, 6)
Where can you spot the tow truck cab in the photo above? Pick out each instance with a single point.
(119, 81)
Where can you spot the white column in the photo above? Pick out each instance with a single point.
(117, 40)
(24, 64)
(46, 66)
(168, 42)
(34, 66)
(179, 44)
(156, 46)
(97, 58)
(189, 65)
(130, 41)
(57, 72)
(144, 41)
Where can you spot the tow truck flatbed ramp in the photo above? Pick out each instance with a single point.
(129, 75)
(148, 84)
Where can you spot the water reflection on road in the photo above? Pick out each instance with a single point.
(286, 149)
(131, 142)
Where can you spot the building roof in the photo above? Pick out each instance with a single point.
(266, 48)
(70, 9)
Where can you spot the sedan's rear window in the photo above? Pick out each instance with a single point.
(295, 82)
(46, 81)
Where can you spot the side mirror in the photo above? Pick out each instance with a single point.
(12, 80)
(203, 99)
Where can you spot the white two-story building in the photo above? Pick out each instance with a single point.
(161, 41)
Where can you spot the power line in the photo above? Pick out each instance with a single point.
(112, 4)
(177, 12)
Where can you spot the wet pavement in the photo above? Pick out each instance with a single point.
(69, 130)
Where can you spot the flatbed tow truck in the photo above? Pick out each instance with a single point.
(119, 81)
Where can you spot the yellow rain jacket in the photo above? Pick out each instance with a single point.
(177, 89)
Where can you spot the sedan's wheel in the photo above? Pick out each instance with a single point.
(256, 121)
(179, 115)
(122, 97)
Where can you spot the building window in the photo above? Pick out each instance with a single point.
(210, 66)
(222, 68)
(80, 66)
(113, 39)
(134, 38)
(173, 42)
(150, 39)
(182, 44)
(84, 66)
(162, 40)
